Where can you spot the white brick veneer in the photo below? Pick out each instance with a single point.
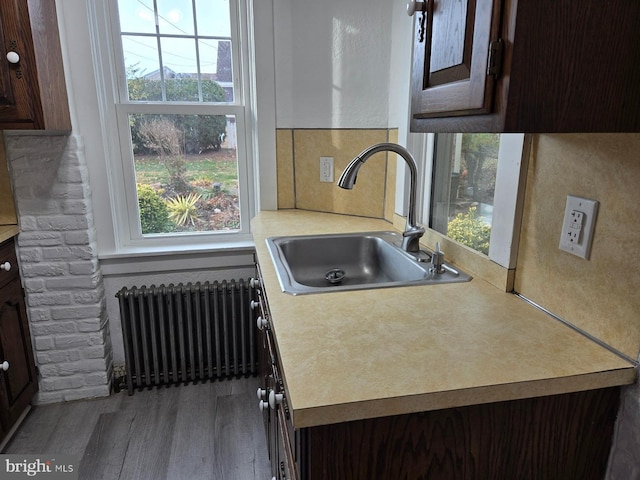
(59, 266)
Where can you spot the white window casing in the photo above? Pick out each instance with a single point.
(121, 206)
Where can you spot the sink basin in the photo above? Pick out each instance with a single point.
(355, 261)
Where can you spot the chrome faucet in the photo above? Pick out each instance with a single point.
(412, 232)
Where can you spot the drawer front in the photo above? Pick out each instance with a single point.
(8, 255)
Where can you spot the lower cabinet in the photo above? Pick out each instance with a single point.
(558, 437)
(18, 380)
(272, 401)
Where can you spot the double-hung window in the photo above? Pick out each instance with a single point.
(181, 109)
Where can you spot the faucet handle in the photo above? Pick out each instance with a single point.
(413, 231)
(411, 240)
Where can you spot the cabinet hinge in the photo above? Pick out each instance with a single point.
(494, 62)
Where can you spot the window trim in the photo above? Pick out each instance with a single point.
(258, 89)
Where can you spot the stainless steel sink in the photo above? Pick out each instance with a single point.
(355, 261)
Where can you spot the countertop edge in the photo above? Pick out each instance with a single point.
(384, 407)
(8, 231)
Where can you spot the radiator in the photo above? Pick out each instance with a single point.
(187, 333)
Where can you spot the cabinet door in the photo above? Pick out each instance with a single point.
(7, 98)
(451, 53)
(286, 458)
(264, 380)
(18, 383)
(15, 100)
(33, 91)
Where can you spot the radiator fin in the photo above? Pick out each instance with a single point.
(187, 332)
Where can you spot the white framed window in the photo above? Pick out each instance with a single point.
(472, 186)
(178, 113)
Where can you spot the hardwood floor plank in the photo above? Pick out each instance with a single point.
(211, 431)
(73, 431)
(149, 447)
(60, 428)
(193, 435)
(105, 453)
(238, 422)
(34, 433)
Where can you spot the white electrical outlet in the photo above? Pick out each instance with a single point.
(326, 169)
(577, 227)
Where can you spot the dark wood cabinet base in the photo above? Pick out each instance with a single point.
(556, 437)
(18, 379)
(560, 437)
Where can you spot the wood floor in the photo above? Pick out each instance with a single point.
(205, 431)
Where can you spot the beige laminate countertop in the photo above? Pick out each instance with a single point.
(370, 353)
(8, 231)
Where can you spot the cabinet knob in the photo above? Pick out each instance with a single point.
(275, 399)
(253, 283)
(413, 7)
(262, 394)
(4, 365)
(13, 57)
(6, 266)
(262, 323)
(254, 304)
(262, 405)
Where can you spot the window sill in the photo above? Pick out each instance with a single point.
(140, 260)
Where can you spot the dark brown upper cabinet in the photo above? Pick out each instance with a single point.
(550, 66)
(33, 94)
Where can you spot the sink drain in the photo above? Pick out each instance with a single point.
(335, 276)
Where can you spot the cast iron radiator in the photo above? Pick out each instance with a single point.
(187, 333)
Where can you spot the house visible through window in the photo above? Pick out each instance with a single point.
(180, 107)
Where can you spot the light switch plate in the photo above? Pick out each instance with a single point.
(578, 225)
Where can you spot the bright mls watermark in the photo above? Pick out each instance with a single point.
(50, 467)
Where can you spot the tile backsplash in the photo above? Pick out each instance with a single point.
(599, 295)
(299, 186)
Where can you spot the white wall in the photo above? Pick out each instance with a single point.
(400, 69)
(332, 63)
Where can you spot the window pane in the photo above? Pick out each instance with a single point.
(137, 16)
(215, 64)
(141, 61)
(213, 18)
(186, 173)
(464, 185)
(175, 17)
(180, 69)
(186, 64)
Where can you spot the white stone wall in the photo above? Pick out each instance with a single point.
(59, 266)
